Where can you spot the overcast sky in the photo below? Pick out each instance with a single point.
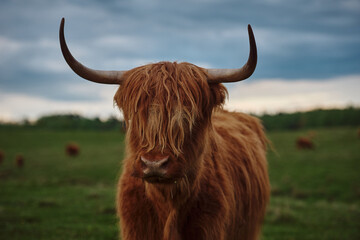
(309, 50)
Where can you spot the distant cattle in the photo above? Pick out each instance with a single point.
(2, 156)
(72, 149)
(358, 133)
(304, 143)
(19, 160)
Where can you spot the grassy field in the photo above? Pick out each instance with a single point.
(315, 193)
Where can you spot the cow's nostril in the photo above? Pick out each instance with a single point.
(164, 164)
(143, 165)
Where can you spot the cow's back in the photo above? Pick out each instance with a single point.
(241, 146)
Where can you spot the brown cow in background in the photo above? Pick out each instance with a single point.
(2, 156)
(192, 170)
(306, 142)
(72, 149)
(19, 161)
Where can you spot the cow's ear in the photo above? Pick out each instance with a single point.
(218, 94)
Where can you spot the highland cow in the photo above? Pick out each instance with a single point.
(19, 161)
(304, 143)
(72, 149)
(2, 156)
(192, 170)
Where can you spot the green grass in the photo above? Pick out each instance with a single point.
(55, 196)
(315, 193)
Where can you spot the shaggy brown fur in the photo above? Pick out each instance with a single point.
(216, 185)
(72, 149)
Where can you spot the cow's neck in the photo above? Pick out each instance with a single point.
(169, 199)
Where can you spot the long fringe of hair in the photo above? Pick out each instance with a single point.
(162, 102)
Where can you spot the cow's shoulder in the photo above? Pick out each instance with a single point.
(230, 125)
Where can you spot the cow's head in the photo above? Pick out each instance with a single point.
(167, 108)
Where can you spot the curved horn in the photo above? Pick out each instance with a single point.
(98, 76)
(235, 75)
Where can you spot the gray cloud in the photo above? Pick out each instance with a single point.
(314, 39)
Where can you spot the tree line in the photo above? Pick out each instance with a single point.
(312, 119)
(70, 122)
(280, 121)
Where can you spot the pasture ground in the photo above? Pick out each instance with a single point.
(315, 193)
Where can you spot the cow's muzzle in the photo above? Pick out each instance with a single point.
(154, 168)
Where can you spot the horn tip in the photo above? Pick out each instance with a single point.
(250, 31)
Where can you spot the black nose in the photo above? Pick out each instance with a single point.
(152, 167)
